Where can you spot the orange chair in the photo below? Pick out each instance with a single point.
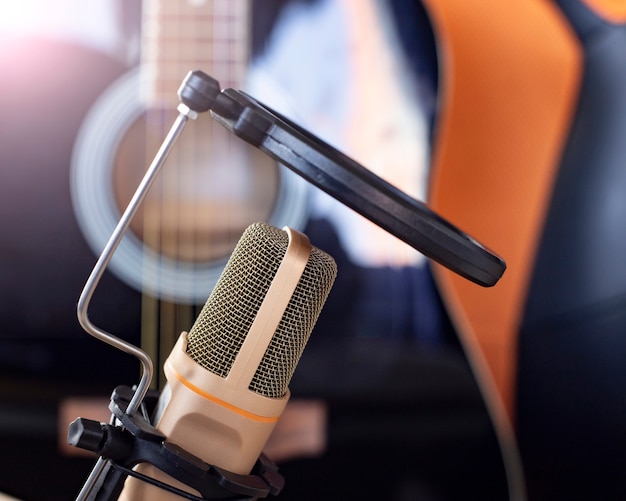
(530, 158)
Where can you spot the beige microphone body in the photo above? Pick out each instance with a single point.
(228, 377)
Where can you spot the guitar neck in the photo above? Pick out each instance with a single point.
(183, 35)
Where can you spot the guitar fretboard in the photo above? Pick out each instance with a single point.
(183, 35)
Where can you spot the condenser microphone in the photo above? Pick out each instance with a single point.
(228, 377)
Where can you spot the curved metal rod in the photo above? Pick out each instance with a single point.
(185, 113)
(107, 254)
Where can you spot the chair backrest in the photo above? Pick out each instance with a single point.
(509, 76)
(528, 141)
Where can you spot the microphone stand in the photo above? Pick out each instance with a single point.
(129, 438)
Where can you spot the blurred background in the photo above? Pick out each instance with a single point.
(508, 120)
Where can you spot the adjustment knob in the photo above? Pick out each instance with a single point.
(198, 91)
(86, 434)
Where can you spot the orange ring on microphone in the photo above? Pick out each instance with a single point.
(214, 399)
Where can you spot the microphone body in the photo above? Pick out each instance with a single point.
(228, 377)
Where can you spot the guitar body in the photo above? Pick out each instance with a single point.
(212, 187)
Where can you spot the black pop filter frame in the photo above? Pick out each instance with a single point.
(357, 187)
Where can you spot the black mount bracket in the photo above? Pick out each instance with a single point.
(133, 440)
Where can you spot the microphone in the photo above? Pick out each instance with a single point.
(227, 379)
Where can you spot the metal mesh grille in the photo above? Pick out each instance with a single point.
(218, 333)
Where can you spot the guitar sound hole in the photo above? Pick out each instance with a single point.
(211, 188)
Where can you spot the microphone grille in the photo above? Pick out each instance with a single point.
(221, 328)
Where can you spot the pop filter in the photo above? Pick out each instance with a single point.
(355, 186)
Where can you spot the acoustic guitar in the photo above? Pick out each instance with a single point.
(213, 185)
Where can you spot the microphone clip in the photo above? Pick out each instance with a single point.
(133, 440)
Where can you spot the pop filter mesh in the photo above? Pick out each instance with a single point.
(220, 329)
